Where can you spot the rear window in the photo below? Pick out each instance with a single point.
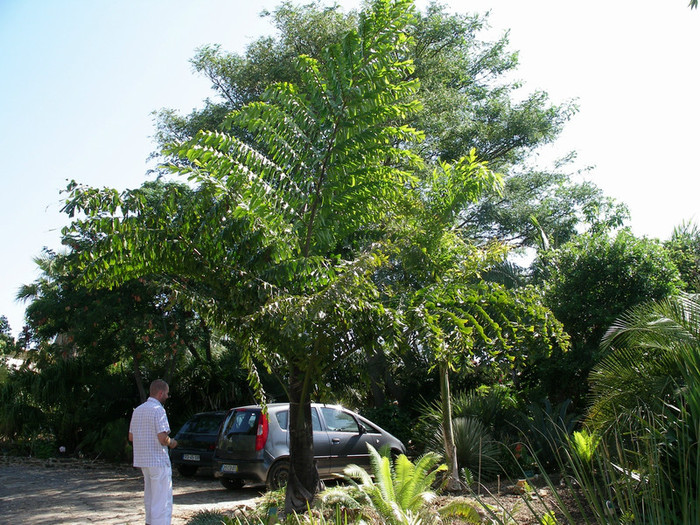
(206, 424)
(242, 422)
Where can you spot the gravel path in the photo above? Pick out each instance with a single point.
(41, 492)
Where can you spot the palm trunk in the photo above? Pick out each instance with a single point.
(447, 430)
(304, 480)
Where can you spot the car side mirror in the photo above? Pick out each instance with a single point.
(363, 429)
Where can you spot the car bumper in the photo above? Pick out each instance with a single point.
(251, 471)
(192, 457)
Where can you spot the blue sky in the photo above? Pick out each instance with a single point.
(79, 80)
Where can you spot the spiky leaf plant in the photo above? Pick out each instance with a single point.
(400, 494)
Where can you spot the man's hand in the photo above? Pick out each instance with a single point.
(166, 440)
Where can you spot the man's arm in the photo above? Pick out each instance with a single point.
(131, 437)
(166, 440)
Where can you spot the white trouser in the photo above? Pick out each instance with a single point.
(158, 494)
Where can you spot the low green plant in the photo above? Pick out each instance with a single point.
(476, 449)
(270, 504)
(399, 496)
(583, 446)
(400, 493)
(43, 448)
(549, 518)
(548, 429)
(108, 442)
(643, 470)
(208, 517)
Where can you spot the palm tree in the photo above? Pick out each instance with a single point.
(646, 396)
(654, 350)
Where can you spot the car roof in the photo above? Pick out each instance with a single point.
(285, 405)
(212, 413)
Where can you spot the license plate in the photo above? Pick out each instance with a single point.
(190, 457)
(229, 468)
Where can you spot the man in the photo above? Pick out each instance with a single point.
(148, 432)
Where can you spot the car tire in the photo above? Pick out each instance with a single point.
(278, 475)
(232, 484)
(187, 470)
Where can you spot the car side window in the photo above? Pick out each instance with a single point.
(339, 421)
(283, 419)
(371, 429)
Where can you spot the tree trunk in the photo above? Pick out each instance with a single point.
(304, 480)
(137, 375)
(453, 483)
(375, 369)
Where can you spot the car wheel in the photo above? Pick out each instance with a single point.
(232, 484)
(278, 475)
(187, 470)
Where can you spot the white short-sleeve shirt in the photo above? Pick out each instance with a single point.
(147, 421)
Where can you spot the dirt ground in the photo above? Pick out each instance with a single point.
(43, 492)
(69, 491)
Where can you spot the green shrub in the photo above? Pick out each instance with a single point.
(398, 493)
(548, 429)
(109, 442)
(43, 447)
(393, 419)
(476, 449)
(208, 517)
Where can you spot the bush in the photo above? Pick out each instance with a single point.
(109, 442)
(393, 419)
(208, 517)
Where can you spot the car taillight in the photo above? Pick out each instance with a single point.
(261, 435)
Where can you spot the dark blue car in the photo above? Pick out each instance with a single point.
(196, 442)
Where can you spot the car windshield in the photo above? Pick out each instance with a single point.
(205, 424)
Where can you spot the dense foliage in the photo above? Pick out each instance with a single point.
(589, 283)
(343, 235)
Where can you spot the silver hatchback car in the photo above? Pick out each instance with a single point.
(254, 448)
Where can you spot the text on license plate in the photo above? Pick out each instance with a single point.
(190, 457)
(229, 468)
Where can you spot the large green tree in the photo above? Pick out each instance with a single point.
(468, 98)
(276, 253)
(451, 311)
(684, 248)
(589, 282)
(92, 352)
(468, 101)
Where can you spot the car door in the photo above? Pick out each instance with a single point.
(322, 448)
(348, 439)
(238, 435)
